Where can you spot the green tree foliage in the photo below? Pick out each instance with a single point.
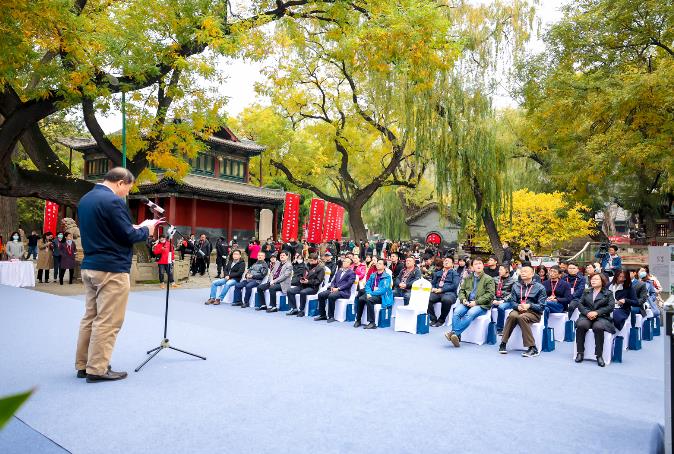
(599, 104)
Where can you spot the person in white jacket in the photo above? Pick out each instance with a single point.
(14, 247)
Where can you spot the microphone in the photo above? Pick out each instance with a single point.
(153, 206)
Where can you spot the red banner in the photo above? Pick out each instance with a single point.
(339, 222)
(51, 214)
(330, 222)
(290, 217)
(316, 220)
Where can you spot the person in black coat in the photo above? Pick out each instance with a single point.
(596, 306)
(308, 283)
(625, 297)
(221, 251)
(202, 254)
(396, 265)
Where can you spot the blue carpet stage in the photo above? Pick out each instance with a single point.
(280, 384)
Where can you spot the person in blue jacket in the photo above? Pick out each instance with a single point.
(378, 290)
(558, 291)
(445, 283)
(609, 261)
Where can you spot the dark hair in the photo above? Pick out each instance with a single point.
(555, 267)
(119, 174)
(476, 259)
(236, 250)
(572, 263)
(381, 260)
(504, 267)
(313, 256)
(614, 247)
(542, 267)
(45, 235)
(65, 236)
(628, 280)
(493, 257)
(284, 253)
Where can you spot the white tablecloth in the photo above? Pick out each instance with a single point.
(17, 274)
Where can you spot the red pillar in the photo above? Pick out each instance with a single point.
(216, 168)
(141, 213)
(229, 223)
(193, 222)
(172, 210)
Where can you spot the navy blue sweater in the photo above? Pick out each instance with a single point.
(107, 232)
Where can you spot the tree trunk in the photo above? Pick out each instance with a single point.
(488, 221)
(356, 224)
(9, 216)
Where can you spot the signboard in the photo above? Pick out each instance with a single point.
(51, 214)
(661, 265)
(620, 239)
(339, 222)
(290, 217)
(433, 238)
(315, 230)
(330, 222)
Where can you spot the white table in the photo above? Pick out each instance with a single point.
(17, 274)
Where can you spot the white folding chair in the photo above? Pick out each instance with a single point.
(515, 341)
(406, 317)
(607, 352)
(477, 331)
(398, 301)
(557, 322)
(342, 305)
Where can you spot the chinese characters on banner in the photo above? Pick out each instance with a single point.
(290, 217)
(51, 214)
(339, 222)
(330, 222)
(316, 220)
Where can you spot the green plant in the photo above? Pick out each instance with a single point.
(10, 404)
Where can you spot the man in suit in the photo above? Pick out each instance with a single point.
(403, 284)
(280, 277)
(108, 236)
(445, 284)
(339, 288)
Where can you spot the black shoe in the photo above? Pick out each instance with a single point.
(238, 303)
(371, 325)
(579, 358)
(261, 308)
(533, 351)
(499, 332)
(356, 324)
(272, 309)
(217, 277)
(502, 349)
(110, 375)
(245, 305)
(600, 361)
(432, 322)
(300, 313)
(82, 373)
(320, 318)
(292, 312)
(331, 320)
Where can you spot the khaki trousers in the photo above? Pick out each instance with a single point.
(106, 298)
(524, 320)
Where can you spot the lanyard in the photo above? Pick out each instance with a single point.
(523, 298)
(500, 284)
(575, 281)
(554, 288)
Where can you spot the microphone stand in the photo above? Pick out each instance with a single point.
(165, 342)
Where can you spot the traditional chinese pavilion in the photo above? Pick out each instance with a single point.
(215, 198)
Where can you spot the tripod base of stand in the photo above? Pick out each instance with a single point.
(165, 344)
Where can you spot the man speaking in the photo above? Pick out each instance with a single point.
(108, 236)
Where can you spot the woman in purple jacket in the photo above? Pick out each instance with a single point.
(68, 251)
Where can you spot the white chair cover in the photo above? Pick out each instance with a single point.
(589, 347)
(558, 322)
(406, 318)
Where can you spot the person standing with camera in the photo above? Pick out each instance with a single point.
(108, 236)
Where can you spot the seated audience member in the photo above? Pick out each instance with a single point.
(358, 267)
(427, 268)
(396, 265)
(652, 292)
(371, 266)
(340, 287)
(563, 268)
(542, 273)
(596, 306)
(299, 271)
(475, 298)
(279, 280)
(309, 283)
(504, 283)
(558, 291)
(624, 295)
(529, 296)
(461, 267)
(377, 291)
(255, 275)
(233, 272)
(403, 285)
(577, 283)
(491, 269)
(329, 264)
(641, 291)
(445, 284)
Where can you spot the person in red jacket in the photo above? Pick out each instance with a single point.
(166, 252)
